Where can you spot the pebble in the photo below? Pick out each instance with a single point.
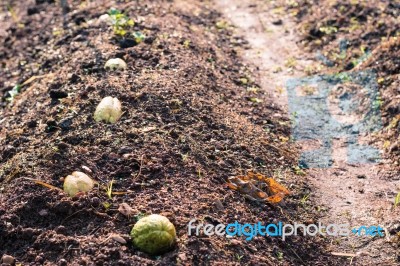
(7, 259)
(182, 256)
(118, 239)
(86, 169)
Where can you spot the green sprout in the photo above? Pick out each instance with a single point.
(304, 199)
(279, 255)
(397, 200)
(13, 92)
(138, 36)
(120, 22)
(328, 30)
(107, 205)
(109, 189)
(122, 25)
(299, 171)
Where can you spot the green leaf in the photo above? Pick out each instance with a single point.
(113, 11)
(139, 37)
(14, 92)
(397, 200)
(255, 100)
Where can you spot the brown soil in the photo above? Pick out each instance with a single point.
(356, 194)
(203, 99)
(188, 124)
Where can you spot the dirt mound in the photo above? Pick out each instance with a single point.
(192, 117)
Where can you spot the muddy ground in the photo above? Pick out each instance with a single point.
(188, 124)
(194, 114)
(358, 36)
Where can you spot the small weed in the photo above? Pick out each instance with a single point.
(397, 200)
(186, 44)
(343, 77)
(299, 171)
(184, 156)
(377, 103)
(277, 69)
(238, 256)
(291, 62)
(304, 199)
(255, 100)
(13, 92)
(244, 81)
(328, 30)
(221, 25)
(109, 189)
(107, 205)
(138, 36)
(253, 89)
(279, 255)
(121, 23)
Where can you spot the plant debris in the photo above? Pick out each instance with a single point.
(258, 187)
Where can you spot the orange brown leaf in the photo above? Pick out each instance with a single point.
(253, 184)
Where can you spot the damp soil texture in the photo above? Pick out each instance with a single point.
(201, 102)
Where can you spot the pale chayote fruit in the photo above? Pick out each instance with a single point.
(77, 182)
(108, 110)
(115, 64)
(154, 234)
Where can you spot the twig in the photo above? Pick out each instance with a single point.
(341, 254)
(140, 169)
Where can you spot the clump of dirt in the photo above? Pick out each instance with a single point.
(189, 122)
(359, 35)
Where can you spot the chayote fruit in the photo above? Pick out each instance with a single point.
(154, 234)
(77, 182)
(108, 110)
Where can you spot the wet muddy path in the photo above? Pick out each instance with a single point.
(351, 183)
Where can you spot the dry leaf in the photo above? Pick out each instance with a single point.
(253, 184)
(45, 184)
(118, 239)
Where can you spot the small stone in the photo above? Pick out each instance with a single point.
(43, 212)
(7, 259)
(86, 169)
(182, 256)
(125, 209)
(118, 239)
(235, 242)
(106, 19)
(218, 204)
(115, 64)
(62, 262)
